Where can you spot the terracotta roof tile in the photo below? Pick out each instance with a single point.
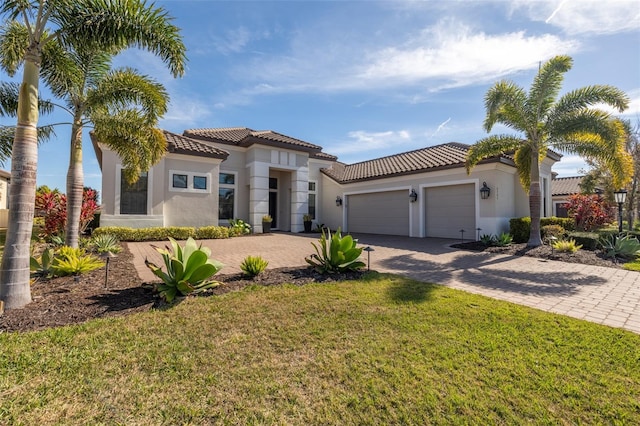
(183, 145)
(566, 185)
(242, 136)
(447, 155)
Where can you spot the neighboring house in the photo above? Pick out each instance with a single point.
(561, 190)
(5, 181)
(210, 176)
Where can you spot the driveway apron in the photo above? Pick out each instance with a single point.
(598, 294)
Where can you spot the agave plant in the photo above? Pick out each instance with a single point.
(624, 246)
(335, 253)
(189, 269)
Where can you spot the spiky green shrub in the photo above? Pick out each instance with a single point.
(568, 246)
(189, 269)
(105, 243)
(335, 253)
(624, 246)
(487, 239)
(42, 267)
(74, 261)
(253, 265)
(503, 239)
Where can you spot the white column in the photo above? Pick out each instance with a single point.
(258, 194)
(299, 197)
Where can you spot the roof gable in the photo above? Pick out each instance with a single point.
(566, 185)
(179, 144)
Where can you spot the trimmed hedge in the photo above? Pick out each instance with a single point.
(161, 233)
(588, 240)
(520, 227)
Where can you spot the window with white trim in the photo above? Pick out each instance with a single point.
(133, 196)
(312, 200)
(226, 195)
(189, 181)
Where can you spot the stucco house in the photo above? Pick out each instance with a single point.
(561, 190)
(210, 176)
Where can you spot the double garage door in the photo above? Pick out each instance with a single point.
(448, 209)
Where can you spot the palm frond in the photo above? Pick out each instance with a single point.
(546, 86)
(9, 100)
(123, 24)
(504, 103)
(579, 99)
(14, 40)
(522, 158)
(7, 134)
(490, 147)
(125, 89)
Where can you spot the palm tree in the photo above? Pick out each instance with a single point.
(53, 25)
(569, 124)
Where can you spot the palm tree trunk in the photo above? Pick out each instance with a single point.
(15, 289)
(75, 185)
(535, 201)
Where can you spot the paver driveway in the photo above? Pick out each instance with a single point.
(603, 295)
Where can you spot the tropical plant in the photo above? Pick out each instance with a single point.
(189, 269)
(267, 218)
(74, 261)
(240, 227)
(625, 246)
(42, 267)
(52, 26)
(503, 240)
(52, 205)
(569, 124)
(335, 253)
(590, 211)
(307, 218)
(105, 243)
(568, 246)
(487, 239)
(253, 265)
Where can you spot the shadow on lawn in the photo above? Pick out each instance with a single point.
(406, 290)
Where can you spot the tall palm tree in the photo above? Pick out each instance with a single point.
(97, 24)
(569, 124)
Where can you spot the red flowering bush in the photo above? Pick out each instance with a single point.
(52, 205)
(590, 211)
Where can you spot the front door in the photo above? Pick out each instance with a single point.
(273, 202)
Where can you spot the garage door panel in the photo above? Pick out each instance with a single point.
(448, 209)
(379, 213)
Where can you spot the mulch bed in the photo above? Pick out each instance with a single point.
(71, 300)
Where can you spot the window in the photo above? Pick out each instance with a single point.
(133, 197)
(312, 200)
(179, 181)
(226, 196)
(199, 182)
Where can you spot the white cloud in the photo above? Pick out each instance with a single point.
(234, 41)
(361, 141)
(185, 111)
(570, 165)
(441, 126)
(586, 16)
(453, 54)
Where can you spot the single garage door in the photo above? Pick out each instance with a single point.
(448, 209)
(379, 213)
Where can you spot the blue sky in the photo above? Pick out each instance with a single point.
(365, 79)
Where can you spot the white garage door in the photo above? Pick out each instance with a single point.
(379, 213)
(449, 209)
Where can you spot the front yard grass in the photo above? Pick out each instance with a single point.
(384, 350)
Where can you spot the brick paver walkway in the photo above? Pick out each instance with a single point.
(603, 295)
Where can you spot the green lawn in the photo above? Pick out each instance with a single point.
(386, 350)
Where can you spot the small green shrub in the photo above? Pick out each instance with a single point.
(213, 233)
(105, 243)
(588, 240)
(549, 231)
(335, 253)
(487, 239)
(189, 269)
(520, 227)
(74, 261)
(42, 267)
(240, 227)
(307, 218)
(568, 246)
(503, 240)
(253, 265)
(624, 246)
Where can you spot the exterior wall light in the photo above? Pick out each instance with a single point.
(620, 196)
(485, 191)
(413, 196)
(338, 201)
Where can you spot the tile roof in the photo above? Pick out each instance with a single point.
(566, 185)
(183, 145)
(242, 136)
(445, 156)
